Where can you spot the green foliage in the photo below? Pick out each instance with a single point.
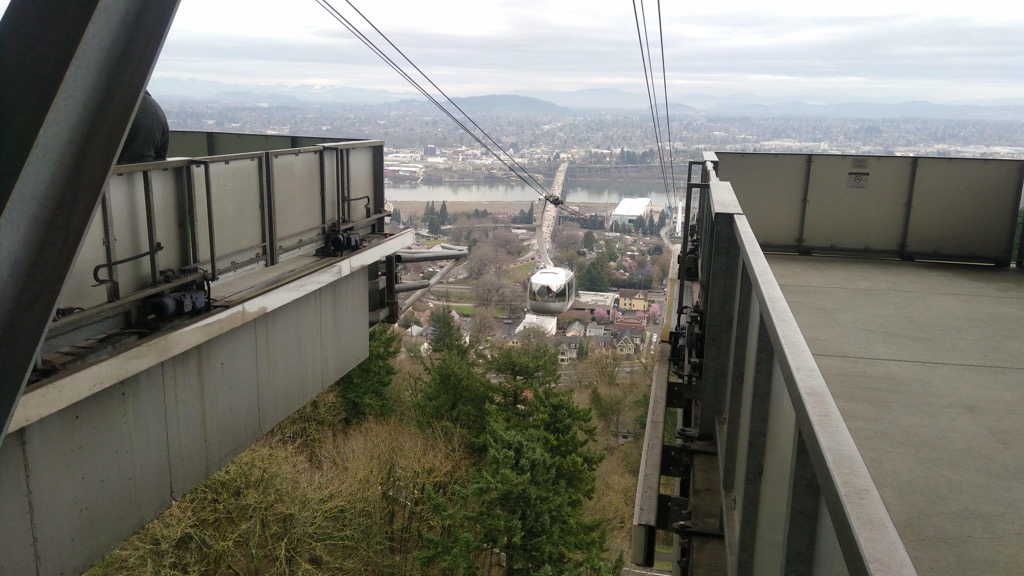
(583, 351)
(273, 511)
(589, 239)
(455, 394)
(363, 391)
(408, 320)
(595, 276)
(518, 369)
(434, 225)
(503, 464)
(526, 498)
(611, 251)
(442, 214)
(447, 338)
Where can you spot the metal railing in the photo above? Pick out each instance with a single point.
(166, 224)
(795, 494)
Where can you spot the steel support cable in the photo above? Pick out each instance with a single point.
(668, 119)
(369, 44)
(438, 88)
(380, 53)
(652, 90)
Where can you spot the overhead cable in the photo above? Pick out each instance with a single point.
(532, 182)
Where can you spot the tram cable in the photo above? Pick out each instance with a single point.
(542, 191)
(640, 17)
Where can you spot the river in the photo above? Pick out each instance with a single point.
(588, 191)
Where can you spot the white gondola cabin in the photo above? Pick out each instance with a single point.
(551, 291)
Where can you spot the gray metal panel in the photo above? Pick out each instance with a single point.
(187, 145)
(828, 558)
(17, 555)
(361, 178)
(289, 358)
(857, 203)
(79, 289)
(769, 554)
(99, 472)
(770, 188)
(222, 143)
(965, 207)
(746, 408)
(237, 209)
(331, 182)
(342, 343)
(212, 406)
(131, 237)
(297, 203)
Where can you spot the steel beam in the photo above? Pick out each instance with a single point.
(73, 74)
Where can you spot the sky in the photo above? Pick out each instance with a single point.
(871, 50)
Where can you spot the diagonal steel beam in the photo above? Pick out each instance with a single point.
(73, 74)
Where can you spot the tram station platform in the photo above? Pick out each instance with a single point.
(926, 364)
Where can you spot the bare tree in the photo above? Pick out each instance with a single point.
(507, 242)
(480, 260)
(564, 239)
(480, 328)
(488, 290)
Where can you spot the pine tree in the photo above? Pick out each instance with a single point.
(442, 214)
(363, 391)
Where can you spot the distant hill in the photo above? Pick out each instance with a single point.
(610, 99)
(914, 109)
(507, 103)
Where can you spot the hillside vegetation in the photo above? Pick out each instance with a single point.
(453, 464)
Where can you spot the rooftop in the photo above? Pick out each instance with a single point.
(632, 207)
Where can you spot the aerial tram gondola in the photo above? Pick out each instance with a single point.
(550, 290)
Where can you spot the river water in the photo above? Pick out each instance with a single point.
(588, 191)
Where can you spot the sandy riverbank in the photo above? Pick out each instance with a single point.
(410, 208)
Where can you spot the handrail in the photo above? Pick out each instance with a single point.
(866, 533)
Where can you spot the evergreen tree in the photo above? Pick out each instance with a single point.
(526, 498)
(442, 214)
(447, 337)
(651, 230)
(456, 395)
(588, 239)
(662, 219)
(396, 216)
(363, 391)
(434, 225)
(520, 370)
(529, 215)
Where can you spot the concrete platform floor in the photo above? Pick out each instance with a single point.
(926, 363)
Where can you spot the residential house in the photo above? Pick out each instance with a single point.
(635, 300)
(568, 349)
(600, 345)
(575, 329)
(629, 342)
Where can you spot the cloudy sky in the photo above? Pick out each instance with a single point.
(877, 50)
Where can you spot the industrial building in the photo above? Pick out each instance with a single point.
(631, 211)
